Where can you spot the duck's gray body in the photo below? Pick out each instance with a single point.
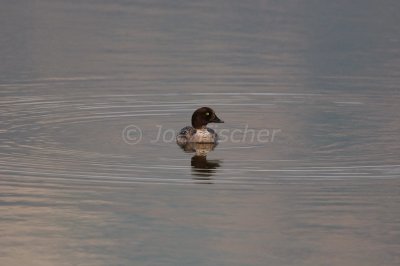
(189, 134)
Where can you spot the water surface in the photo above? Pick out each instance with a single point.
(80, 81)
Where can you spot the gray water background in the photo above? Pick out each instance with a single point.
(76, 76)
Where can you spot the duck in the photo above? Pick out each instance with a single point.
(199, 132)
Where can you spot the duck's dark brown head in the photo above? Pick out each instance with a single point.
(204, 115)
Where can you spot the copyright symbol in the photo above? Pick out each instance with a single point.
(132, 135)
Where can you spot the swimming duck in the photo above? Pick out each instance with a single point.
(199, 132)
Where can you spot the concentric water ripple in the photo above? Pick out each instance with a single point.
(77, 139)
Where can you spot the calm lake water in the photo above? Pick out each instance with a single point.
(92, 93)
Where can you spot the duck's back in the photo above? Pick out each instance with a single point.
(184, 135)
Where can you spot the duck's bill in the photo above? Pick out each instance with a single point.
(216, 120)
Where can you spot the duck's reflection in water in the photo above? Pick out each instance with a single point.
(202, 169)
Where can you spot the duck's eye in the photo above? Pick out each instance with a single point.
(207, 114)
